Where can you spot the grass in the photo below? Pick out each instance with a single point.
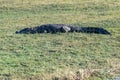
(59, 56)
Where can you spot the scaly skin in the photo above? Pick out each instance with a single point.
(54, 28)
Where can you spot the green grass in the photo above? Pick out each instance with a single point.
(59, 56)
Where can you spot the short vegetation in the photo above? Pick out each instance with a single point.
(60, 56)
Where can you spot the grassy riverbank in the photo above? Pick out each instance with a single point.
(61, 55)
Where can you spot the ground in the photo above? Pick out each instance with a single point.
(59, 56)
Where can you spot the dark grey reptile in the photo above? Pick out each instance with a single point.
(63, 28)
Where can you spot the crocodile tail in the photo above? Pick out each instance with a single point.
(95, 30)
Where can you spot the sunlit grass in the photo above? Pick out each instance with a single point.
(59, 56)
